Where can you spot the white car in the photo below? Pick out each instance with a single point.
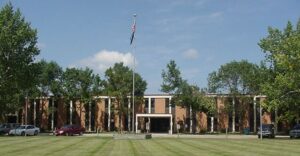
(25, 130)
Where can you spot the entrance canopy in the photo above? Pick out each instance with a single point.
(154, 116)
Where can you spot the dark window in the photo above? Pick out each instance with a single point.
(152, 102)
(146, 103)
(167, 103)
(106, 103)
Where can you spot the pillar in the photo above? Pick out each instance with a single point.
(171, 125)
(108, 123)
(129, 115)
(233, 115)
(90, 114)
(34, 112)
(191, 120)
(136, 124)
(211, 124)
(52, 115)
(254, 114)
(71, 111)
(170, 108)
(149, 105)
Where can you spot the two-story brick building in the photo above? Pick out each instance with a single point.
(156, 110)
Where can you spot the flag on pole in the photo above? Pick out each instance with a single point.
(133, 31)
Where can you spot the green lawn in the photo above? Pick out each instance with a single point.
(86, 146)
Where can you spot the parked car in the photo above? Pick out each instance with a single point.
(6, 127)
(295, 131)
(267, 131)
(25, 130)
(69, 130)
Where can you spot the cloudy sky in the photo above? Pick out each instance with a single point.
(200, 35)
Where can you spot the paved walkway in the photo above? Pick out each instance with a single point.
(163, 135)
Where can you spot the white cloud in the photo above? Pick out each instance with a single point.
(105, 59)
(191, 54)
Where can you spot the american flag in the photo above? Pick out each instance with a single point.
(133, 31)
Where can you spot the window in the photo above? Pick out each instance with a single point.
(146, 103)
(106, 103)
(152, 102)
(29, 127)
(167, 103)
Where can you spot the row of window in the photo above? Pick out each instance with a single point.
(146, 102)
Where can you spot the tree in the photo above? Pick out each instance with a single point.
(190, 96)
(185, 95)
(80, 85)
(236, 78)
(282, 86)
(98, 85)
(171, 78)
(119, 85)
(18, 48)
(50, 79)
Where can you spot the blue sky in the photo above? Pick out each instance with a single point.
(200, 35)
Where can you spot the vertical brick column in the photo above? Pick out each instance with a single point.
(245, 116)
(44, 109)
(222, 114)
(61, 113)
(180, 115)
(80, 113)
(159, 105)
(201, 122)
(100, 114)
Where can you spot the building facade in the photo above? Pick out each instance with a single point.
(155, 114)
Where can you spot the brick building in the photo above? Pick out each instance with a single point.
(156, 110)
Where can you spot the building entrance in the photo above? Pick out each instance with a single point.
(159, 125)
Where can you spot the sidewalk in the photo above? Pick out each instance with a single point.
(164, 135)
(206, 136)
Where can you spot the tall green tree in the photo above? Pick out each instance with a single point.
(80, 85)
(282, 86)
(119, 85)
(236, 79)
(191, 97)
(18, 48)
(184, 94)
(171, 78)
(50, 78)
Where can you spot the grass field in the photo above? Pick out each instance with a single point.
(88, 146)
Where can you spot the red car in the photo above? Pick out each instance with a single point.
(69, 130)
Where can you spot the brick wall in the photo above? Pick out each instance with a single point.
(160, 105)
(222, 114)
(80, 113)
(180, 114)
(44, 110)
(100, 114)
(201, 122)
(61, 114)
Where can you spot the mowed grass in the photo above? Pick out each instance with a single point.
(89, 146)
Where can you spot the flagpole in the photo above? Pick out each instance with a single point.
(133, 77)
